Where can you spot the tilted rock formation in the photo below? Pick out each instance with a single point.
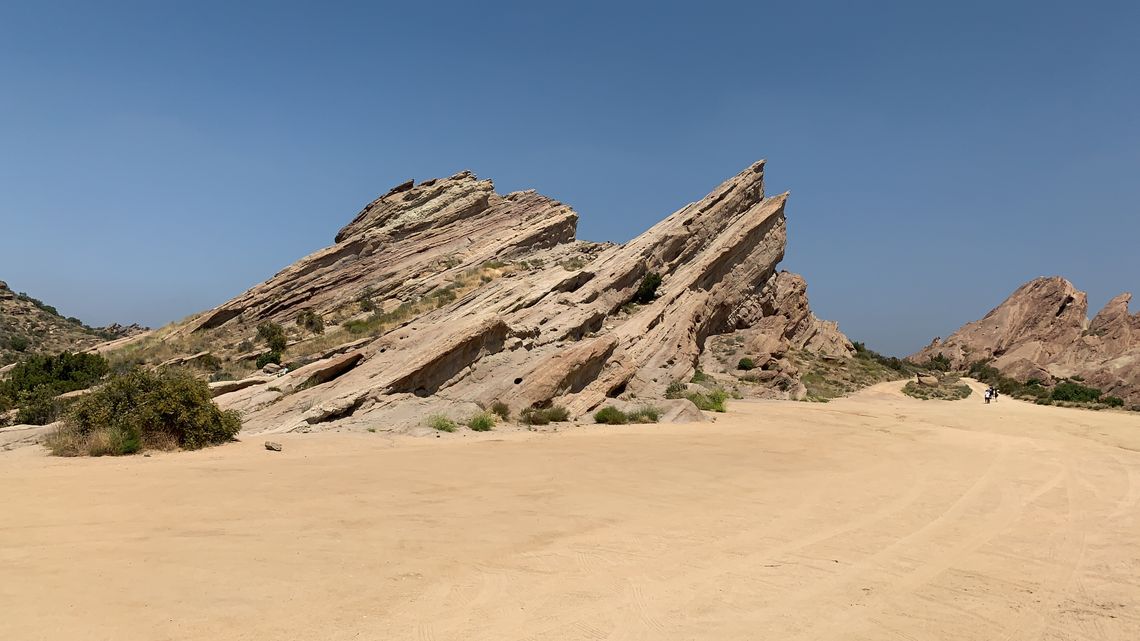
(484, 298)
(1042, 331)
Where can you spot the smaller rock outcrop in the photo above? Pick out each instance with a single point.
(1042, 332)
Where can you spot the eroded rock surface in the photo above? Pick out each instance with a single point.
(1042, 332)
(467, 297)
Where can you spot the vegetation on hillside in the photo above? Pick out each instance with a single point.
(35, 382)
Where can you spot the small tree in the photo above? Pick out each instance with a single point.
(274, 335)
(311, 321)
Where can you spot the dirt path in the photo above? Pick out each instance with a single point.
(874, 517)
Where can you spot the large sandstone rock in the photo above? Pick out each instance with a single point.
(519, 311)
(1042, 332)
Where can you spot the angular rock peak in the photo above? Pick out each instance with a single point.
(481, 297)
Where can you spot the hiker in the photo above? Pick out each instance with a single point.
(988, 394)
(995, 394)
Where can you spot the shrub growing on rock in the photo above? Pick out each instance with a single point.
(501, 409)
(311, 321)
(746, 364)
(143, 410)
(647, 291)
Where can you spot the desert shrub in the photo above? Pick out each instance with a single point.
(38, 407)
(311, 321)
(950, 390)
(676, 389)
(611, 415)
(938, 362)
(501, 409)
(645, 414)
(746, 364)
(33, 383)
(647, 291)
(18, 343)
(267, 358)
(441, 423)
(1113, 401)
(536, 416)
(699, 377)
(1075, 392)
(366, 305)
(481, 422)
(573, 264)
(711, 402)
(145, 410)
(273, 335)
(443, 295)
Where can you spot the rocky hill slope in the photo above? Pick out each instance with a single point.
(28, 325)
(1042, 332)
(444, 296)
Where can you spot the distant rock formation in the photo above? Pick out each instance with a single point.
(1042, 332)
(465, 297)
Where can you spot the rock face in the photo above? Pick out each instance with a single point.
(467, 297)
(1042, 331)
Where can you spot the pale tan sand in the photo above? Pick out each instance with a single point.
(875, 517)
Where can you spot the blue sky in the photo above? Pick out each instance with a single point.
(157, 158)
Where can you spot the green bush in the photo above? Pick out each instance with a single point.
(950, 390)
(699, 377)
(536, 416)
(573, 264)
(711, 402)
(611, 415)
(311, 321)
(18, 343)
(481, 422)
(267, 358)
(273, 335)
(746, 364)
(441, 423)
(1075, 392)
(676, 389)
(501, 409)
(647, 291)
(1113, 401)
(34, 383)
(939, 362)
(143, 410)
(645, 414)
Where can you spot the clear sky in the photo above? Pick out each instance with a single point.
(157, 158)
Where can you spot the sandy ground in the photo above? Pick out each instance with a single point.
(874, 517)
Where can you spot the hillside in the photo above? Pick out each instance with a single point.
(28, 325)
